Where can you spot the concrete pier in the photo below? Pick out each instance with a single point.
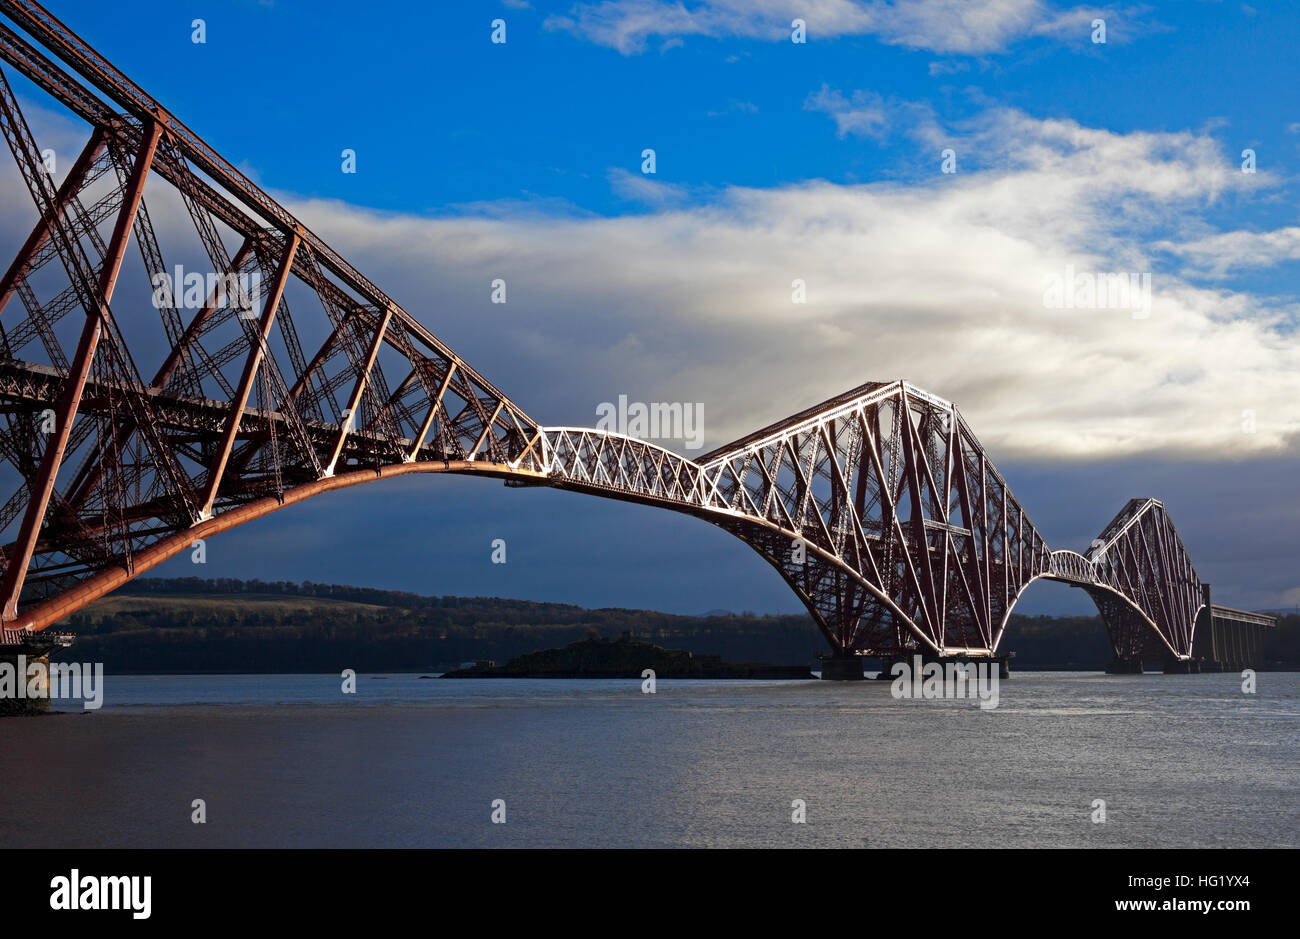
(1003, 660)
(23, 698)
(1124, 666)
(842, 668)
(29, 691)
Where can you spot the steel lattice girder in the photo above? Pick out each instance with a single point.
(235, 411)
(909, 535)
(878, 507)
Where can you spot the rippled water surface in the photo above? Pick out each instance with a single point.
(1180, 761)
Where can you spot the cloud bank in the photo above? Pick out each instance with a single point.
(942, 280)
(956, 27)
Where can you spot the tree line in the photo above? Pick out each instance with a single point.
(196, 625)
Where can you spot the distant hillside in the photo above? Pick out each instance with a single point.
(191, 625)
(195, 625)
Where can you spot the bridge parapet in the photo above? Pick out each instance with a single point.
(596, 459)
(1228, 614)
(1073, 567)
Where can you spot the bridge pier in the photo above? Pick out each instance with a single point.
(1125, 665)
(25, 670)
(842, 668)
(19, 699)
(1003, 660)
(1175, 666)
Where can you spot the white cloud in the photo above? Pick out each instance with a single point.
(939, 67)
(735, 107)
(940, 282)
(946, 26)
(1217, 256)
(863, 114)
(639, 187)
(867, 113)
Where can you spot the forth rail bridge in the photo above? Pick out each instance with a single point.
(911, 541)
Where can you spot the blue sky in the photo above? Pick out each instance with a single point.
(777, 160)
(418, 90)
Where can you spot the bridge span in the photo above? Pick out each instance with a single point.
(879, 507)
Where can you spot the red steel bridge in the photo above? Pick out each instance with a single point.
(136, 422)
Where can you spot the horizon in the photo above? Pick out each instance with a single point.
(126, 589)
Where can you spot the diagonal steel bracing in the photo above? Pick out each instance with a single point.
(879, 507)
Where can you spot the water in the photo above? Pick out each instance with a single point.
(288, 761)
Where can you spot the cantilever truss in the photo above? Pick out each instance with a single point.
(879, 507)
(234, 408)
(1142, 572)
(882, 511)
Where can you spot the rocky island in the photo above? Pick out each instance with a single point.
(625, 657)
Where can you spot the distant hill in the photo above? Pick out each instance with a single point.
(191, 625)
(625, 657)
